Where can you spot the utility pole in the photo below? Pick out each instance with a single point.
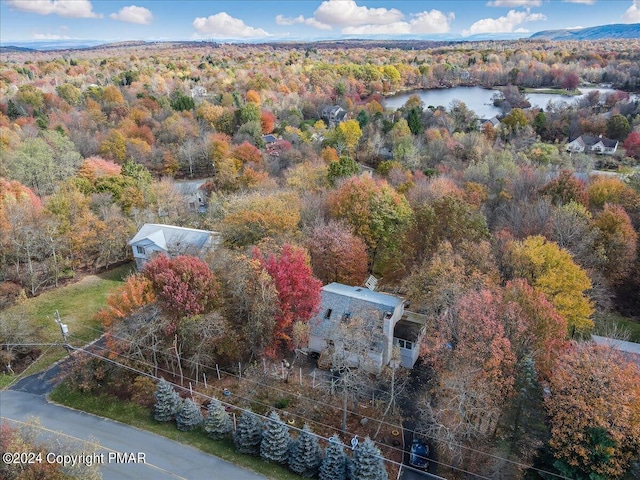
(64, 329)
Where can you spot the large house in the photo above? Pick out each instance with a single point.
(157, 239)
(334, 115)
(385, 323)
(587, 144)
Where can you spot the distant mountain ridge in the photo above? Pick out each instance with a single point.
(616, 30)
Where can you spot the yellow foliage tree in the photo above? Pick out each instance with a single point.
(351, 132)
(552, 271)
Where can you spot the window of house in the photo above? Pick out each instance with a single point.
(140, 249)
(405, 344)
(328, 314)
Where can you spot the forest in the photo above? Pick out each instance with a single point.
(516, 250)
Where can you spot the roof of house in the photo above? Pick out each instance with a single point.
(364, 294)
(165, 235)
(188, 187)
(590, 141)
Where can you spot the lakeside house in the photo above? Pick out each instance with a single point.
(587, 144)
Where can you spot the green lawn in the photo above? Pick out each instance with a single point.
(137, 416)
(77, 303)
(553, 91)
(606, 323)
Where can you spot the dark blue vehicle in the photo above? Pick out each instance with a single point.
(419, 454)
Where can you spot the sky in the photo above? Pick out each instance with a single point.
(266, 20)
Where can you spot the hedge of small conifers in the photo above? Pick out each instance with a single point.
(271, 439)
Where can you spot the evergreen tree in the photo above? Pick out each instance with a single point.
(334, 465)
(413, 120)
(368, 463)
(275, 440)
(189, 416)
(248, 435)
(217, 424)
(167, 402)
(305, 456)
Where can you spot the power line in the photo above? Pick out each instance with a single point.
(264, 417)
(382, 422)
(331, 426)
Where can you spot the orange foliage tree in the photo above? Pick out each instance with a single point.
(594, 410)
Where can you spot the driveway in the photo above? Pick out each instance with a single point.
(164, 458)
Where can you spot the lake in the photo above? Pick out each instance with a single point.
(479, 100)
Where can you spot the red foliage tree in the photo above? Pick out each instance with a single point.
(632, 145)
(184, 285)
(337, 255)
(534, 327)
(298, 290)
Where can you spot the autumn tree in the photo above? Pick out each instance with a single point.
(618, 241)
(184, 284)
(594, 410)
(374, 210)
(566, 188)
(298, 291)
(255, 216)
(351, 133)
(337, 255)
(632, 145)
(552, 271)
(135, 293)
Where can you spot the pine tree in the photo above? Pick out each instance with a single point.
(305, 456)
(167, 402)
(217, 424)
(189, 416)
(334, 465)
(275, 440)
(368, 463)
(248, 435)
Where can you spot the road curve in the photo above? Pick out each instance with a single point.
(165, 459)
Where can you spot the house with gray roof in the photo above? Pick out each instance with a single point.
(334, 115)
(588, 144)
(157, 239)
(383, 317)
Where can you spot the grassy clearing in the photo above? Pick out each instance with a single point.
(137, 416)
(77, 304)
(553, 91)
(607, 324)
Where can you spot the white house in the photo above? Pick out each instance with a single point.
(157, 239)
(587, 144)
(383, 316)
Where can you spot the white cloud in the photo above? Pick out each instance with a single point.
(584, 2)
(133, 14)
(64, 8)
(50, 36)
(422, 23)
(514, 3)
(312, 22)
(632, 15)
(223, 25)
(346, 13)
(505, 24)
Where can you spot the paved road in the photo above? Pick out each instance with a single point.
(165, 459)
